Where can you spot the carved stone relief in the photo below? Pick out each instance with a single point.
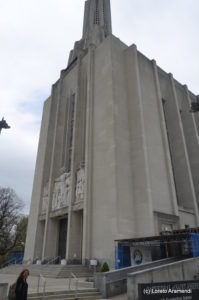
(80, 185)
(61, 193)
(45, 198)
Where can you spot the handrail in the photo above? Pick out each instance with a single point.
(35, 259)
(76, 283)
(45, 258)
(52, 260)
(26, 262)
(41, 278)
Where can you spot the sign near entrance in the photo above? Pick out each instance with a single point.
(177, 290)
(137, 256)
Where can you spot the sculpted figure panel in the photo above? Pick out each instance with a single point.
(80, 185)
(61, 191)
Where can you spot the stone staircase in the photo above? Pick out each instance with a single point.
(86, 294)
(78, 270)
(50, 271)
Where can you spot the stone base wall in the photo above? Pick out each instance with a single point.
(178, 271)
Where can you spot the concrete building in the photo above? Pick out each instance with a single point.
(118, 153)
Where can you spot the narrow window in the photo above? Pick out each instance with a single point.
(70, 138)
(96, 17)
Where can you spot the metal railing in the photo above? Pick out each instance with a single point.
(35, 259)
(41, 280)
(51, 261)
(72, 276)
(28, 261)
(45, 260)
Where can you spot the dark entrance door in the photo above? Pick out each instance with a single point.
(122, 256)
(126, 256)
(63, 224)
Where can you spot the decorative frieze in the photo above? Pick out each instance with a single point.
(45, 198)
(80, 185)
(61, 192)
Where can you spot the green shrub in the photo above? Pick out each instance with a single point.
(105, 267)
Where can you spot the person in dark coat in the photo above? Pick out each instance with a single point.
(21, 290)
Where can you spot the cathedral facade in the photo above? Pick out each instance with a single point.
(118, 154)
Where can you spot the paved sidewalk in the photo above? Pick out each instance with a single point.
(121, 297)
(52, 284)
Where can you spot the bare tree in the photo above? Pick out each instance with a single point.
(20, 233)
(10, 216)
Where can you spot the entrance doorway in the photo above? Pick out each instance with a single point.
(63, 224)
(79, 220)
(122, 256)
(76, 234)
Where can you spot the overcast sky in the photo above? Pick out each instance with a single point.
(35, 39)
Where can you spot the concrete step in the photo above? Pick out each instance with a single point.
(50, 271)
(72, 295)
(74, 298)
(61, 295)
(60, 292)
(77, 274)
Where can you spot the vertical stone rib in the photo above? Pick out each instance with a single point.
(31, 249)
(69, 250)
(192, 148)
(193, 115)
(88, 158)
(185, 150)
(165, 140)
(51, 177)
(146, 158)
(107, 16)
(86, 16)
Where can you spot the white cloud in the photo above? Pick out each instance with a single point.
(36, 37)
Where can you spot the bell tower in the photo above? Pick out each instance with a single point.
(96, 26)
(97, 14)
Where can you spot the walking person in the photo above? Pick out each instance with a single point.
(21, 290)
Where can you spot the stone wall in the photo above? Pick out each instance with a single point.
(182, 270)
(115, 282)
(3, 291)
